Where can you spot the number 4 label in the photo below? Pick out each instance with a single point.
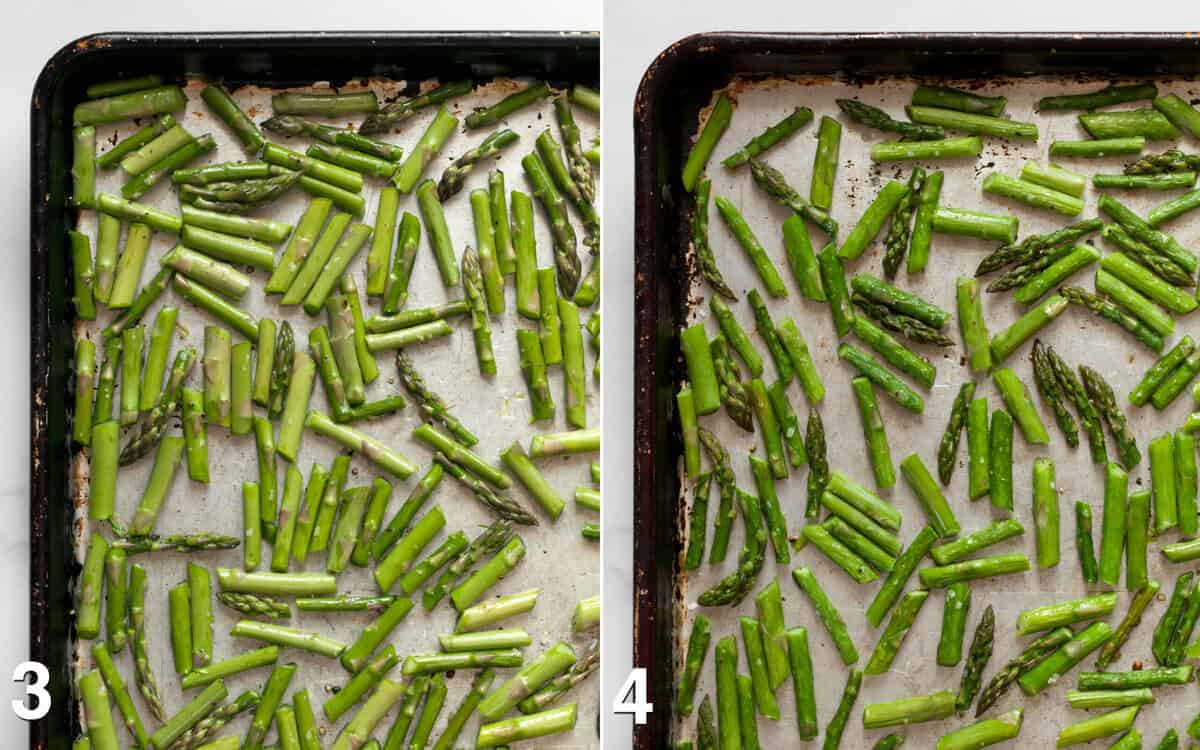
(631, 698)
(36, 689)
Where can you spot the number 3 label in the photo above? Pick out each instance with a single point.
(36, 690)
(631, 698)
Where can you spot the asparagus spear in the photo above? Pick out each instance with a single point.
(876, 118)
(565, 256)
(963, 101)
(798, 118)
(837, 725)
(948, 447)
(899, 229)
(704, 254)
(1133, 617)
(947, 148)
(906, 563)
(1167, 627)
(153, 423)
(951, 552)
(194, 542)
(1071, 653)
(480, 686)
(281, 369)
(1185, 481)
(1172, 209)
(914, 710)
(251, 518)
(472, 281)
(242, 195)
(818, 472)
(254, 604)
(1105, 97)
(1033, 194)
(772, 182)
(452, 179)
(747, 716)
(1045, 513)
(509, 104)
(551, 721)
(698, 520)
(203, 730)
(1172, 160)
(974, 124)
(714, 127)
(909, 327)
(430, 403)
(1114, 313)
(117, 102)
(1000, 440)
(143, 677)
(754, 250)
(1034, 654)
(873, 428)
(580, 167)
(801, 258)
(393, 113)
(894, 633)
(1073, 389)
(874, 371)
(1048, 384)
(1084, 545)
(697, 650)
(727, 483)
(734, 587)
(706, 728)
(828, 614)
(1055, 177)
(977, 659)
(984, 733)
(1147, 256)
(116, 688)
(1036, 246)
(954, 623)
(768, 605)
(871, 222)
(1065, 613)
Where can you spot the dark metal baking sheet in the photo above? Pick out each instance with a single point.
(256, 60)
(674, 91)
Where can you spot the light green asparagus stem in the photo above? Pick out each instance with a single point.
(894, 633)
(1061, 661)
(118, 101)
(1137, 535)
(828, 614)
(714, 128)
(951, 552)
(501, 733)
(984, 733)
(767, 271)
(190, 716)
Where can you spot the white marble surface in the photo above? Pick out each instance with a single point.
(635, 33)
(36, 34)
